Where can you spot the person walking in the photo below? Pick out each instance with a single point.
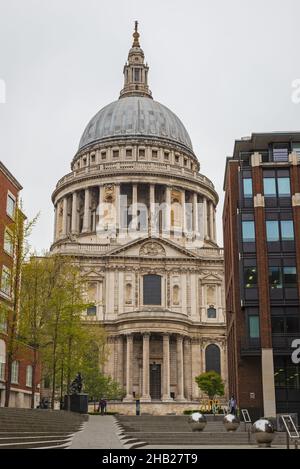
(232, 405)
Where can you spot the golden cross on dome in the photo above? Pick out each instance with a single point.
(136, 35)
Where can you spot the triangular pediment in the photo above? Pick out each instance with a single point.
(154, 248)
(210, 278)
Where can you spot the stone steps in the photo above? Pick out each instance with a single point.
(172, 431)
(31, 428)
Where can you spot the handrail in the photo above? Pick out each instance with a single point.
(290, 428)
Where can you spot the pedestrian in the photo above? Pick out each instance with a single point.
(104, 406)
(232, 405)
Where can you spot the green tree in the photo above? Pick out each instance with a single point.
(211, 384)
(20, 230)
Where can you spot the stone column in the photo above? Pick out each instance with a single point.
(195, 214)
(65, 217)
(129, 359)
(74, 223)
(99, 211)
(187, 368)
(179, 356)
(183, 222)
(152, 210)
(87, 209)
(120, 370)
(55, 222)
(117, 208)
(211, 220)
(167, 224)
(146, 352)
(134, 210)
(166, 368)
(205, 227)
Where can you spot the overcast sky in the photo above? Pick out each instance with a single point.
(224, 67)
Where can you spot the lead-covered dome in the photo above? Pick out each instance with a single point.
(136, 116)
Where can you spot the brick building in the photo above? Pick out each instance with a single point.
(262, 264)
(21, 385)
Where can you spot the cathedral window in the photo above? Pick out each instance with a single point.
(212, 358)
(166, 156)
(152, 289)
(176, 159)
(137, 73)
(142, 152)
(128, 152)
(211, 312)
(154, 154)
(103, 155)
(115, 153)
(93, 158)
(91, 310)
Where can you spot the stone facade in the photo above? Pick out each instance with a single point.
(133, 210)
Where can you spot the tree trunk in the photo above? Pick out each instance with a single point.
(33, 381)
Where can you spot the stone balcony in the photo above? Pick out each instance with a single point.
(134, 167)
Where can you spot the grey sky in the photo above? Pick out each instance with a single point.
(225, 68)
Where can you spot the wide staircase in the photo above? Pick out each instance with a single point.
(176, 431)
(38, 428)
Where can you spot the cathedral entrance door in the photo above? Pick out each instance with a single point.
(155, 381)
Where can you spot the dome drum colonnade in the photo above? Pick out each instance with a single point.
(138, 148)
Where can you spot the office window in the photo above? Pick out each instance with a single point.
(272, 230)
(287, 230)
(296, 148)
(250, 277)
(292, 325)
(29, 376)
(277, 325)
(275, 277)
(248, 231)
(247, 187)
(10, 206)
(269, 187)
(284, 187)
(280, 153)
(254, 327)
(8, 243)
(152, 289)
(6, 280)
(15, 372)
(289, 276)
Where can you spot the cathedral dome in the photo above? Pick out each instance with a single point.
(136, 116)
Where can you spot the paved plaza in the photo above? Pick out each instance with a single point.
(98, 432)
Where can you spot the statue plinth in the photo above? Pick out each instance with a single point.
(77, 403)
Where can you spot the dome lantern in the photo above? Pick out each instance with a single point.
(135, 70)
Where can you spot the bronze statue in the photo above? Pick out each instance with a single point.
(76, 385)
